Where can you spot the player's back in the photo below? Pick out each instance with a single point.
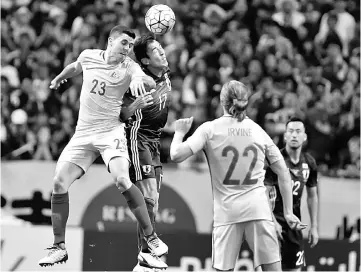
(102, 91)
(236, 153)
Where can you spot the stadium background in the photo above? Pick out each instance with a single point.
(298, 57)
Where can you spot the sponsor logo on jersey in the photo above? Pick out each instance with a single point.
(115, 74)
(294, 171)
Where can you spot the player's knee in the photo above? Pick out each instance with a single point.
(60, 185)
(123, 183)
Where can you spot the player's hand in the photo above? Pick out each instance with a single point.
(294, 222)
(279, 230)
(313, 237)
(137, 87)
(144, 100)
(183, 125)
(55, 83)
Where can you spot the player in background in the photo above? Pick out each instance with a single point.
(146, 116)
(236, 149)
(107, 75)
(303, 170)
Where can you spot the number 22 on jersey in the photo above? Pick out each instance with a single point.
(250, 151)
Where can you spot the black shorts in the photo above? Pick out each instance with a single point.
(145, 161)
(292, 251)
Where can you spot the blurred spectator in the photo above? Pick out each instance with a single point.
(345, 25)
(297, 58)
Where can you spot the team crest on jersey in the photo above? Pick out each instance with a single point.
(147, 168)
(305, 171)
(115, 74)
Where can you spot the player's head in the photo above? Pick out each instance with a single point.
(150, 53)
(295, 134)
(234, 99)
(120, 42)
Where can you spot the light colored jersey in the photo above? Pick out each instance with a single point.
(236, 154)
(102, 91)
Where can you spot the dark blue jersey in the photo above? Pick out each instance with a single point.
(147, 124)
(302, 173)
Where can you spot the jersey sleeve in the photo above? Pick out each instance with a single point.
(135, 71)
(198, 140)
(273, 154)
(81, 57)
(313, 178)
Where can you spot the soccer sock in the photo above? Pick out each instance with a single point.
(137, 205)
(59, 216)
(142, 244)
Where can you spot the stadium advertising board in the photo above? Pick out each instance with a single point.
(185, 203)
(23, 246)
(192, 252)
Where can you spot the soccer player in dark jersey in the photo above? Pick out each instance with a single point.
(146, 116)
(303, 170)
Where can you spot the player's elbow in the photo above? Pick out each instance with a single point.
(176, 156)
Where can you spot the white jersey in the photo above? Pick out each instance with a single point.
(236, 153)
(102, 91)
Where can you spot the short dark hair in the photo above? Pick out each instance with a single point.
(296, 119)
(141, 45)
(119, 29)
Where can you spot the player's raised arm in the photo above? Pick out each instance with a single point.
(179, 150)
(71, 70)
(139, 80)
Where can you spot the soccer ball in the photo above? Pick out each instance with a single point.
(160, 19)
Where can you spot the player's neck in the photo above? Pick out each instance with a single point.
(109, 59)
(294, 154)
(155, 71)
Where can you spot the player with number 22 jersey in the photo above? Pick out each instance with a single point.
(237, 149)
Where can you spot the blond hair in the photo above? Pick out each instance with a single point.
(234, 99)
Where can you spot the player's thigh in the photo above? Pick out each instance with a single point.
(141, 159)
(226, 244)
(262, 239)
(292, 251)
(112, 146)
(148, 187)
(75, 160)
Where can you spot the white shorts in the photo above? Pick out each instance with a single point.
(83, 150)
(260, 235)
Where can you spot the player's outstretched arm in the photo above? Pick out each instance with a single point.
(71, 70)
(285, 184)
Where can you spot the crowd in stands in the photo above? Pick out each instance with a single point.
(297, 57)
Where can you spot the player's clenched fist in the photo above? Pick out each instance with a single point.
(55, 83)
(183, 125)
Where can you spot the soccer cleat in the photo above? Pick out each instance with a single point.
(156, 245)
(139, 268)
(56, 255)
(149, 261)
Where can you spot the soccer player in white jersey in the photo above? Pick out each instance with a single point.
(107, 75)
(237, 150)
